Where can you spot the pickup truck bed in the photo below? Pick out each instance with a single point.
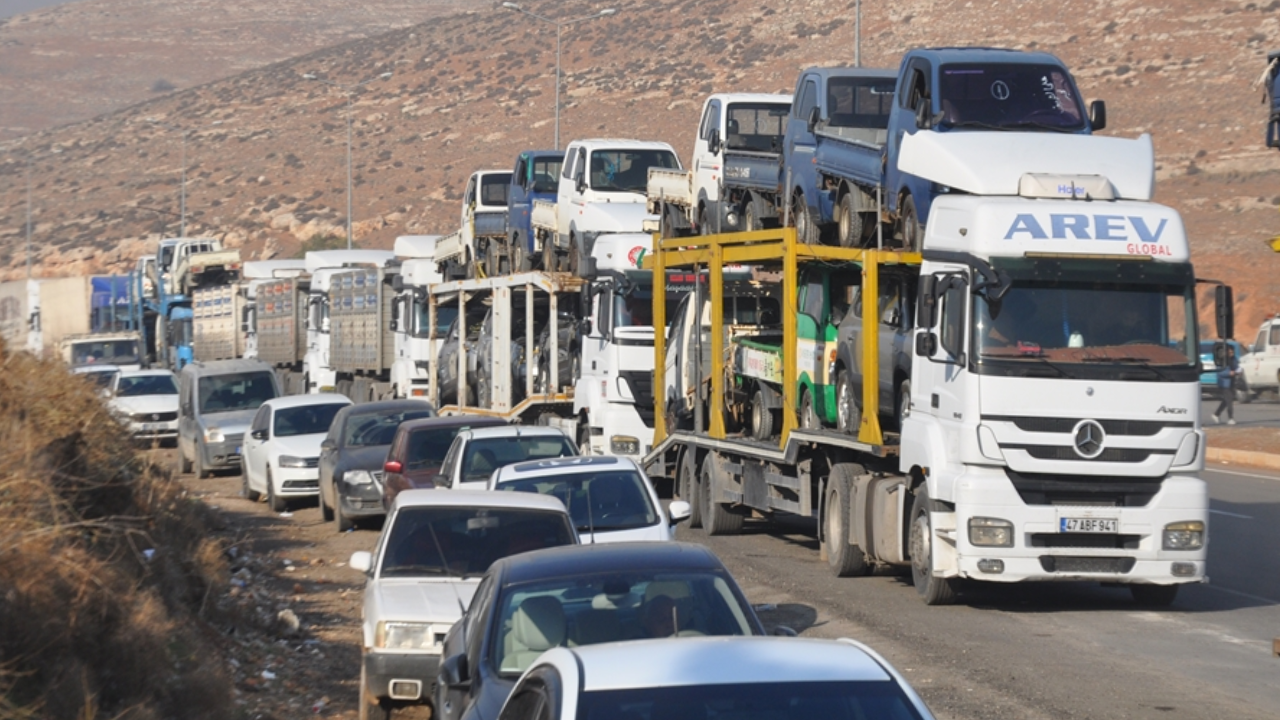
(851, 152)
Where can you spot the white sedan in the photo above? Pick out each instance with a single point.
(761, 678)
(282, 448)
(147, 402)
(609, 498)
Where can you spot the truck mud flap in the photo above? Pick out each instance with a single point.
(876, 512)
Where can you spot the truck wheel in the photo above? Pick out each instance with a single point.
(808, 415)
(519, 257)
(903, 403)
(910, 229)
(850, 223)
(843, 557)
(751, 217)
(687, 486)
(717, 518)
(274, 501)
(761, 418)
(1154, 595)
(848, 414)
(805, 223)
(249, 493)
(932, 589)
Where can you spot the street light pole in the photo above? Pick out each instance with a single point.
(183, 133)
(348, 90)
(28, 216)
(560, 26)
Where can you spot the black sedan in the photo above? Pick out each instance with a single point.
(352, 455)
(581, 595)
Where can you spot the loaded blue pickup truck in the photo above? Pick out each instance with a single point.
(846, 128)
(536, 176)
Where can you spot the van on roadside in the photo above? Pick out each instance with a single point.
(216, 402)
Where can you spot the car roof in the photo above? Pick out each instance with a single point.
(563, 466)
(946, 55)
(505, 430)
(226, 367)
(450, 421)
(147, 373)
(291, 401)
(95, 367)
(388, 406)
(477, 498)
(604, 558)
(723, 661)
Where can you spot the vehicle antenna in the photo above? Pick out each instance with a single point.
(591, 523)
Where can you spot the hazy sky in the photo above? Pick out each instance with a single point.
(9, 8)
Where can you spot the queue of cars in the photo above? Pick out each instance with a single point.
(511, 577)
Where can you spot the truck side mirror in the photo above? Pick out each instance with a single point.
(926, 120)
(1224, 311)
(584, 327)
(713, 142)
(926, 343)
(1097, 115)
(814, 116)
(455, 673)
(589, 269)
(580, 182)
(927, 303)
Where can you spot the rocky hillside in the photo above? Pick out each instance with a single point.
(470, 90)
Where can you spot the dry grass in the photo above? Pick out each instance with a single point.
(105, 564)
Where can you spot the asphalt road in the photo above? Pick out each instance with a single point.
(1262, 412)
(1061, 650)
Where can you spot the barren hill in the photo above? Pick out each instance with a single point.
(469, 91)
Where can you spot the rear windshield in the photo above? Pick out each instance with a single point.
(494, 189)
(597, 501)
(108, 352)
(428, 447)
(465, 541)
(367, 429)
(235, 391)
(859, 102)
(146, 385)
(305, 420)
(484, 456)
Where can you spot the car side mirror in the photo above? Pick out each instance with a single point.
(361, 560)
(258, 434)
(814, 115)
(1097, 115)
(455, 673)
(328, 445)
(679, 511)
(926, 344)
(393, 466)
(713, 142)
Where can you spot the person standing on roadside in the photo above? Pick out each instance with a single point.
(1226, 386)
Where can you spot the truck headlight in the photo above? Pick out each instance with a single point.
(357, 477)
(400, 635)
(1187, 535)
(624, 445)
(290, 461)
(990, 532)
(214, 435)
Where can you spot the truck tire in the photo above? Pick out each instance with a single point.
(717, 518)
(687, 486)
(848, 413)
(274, 501)
(843, 557)
(1154, 595)
(761, 418)
(519, 257)
(849, 222)
(751, 216)
(902, 406)
(932, 589)
(909, 227)
(249, 493)
(807, 230)
(808, 413)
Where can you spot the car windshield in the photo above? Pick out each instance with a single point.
(597, 501)
(485, 455)
(627, 170)
(852, 700)
(146, 385)
(622, 605)
(465, 541)
(235, 391)
(111, 352)
(379, 428)
(1009, 96)
(304, 420)
(428, 446)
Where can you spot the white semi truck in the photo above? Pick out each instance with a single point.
(1052, 431)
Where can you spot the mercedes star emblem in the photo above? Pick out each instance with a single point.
(1088, 436)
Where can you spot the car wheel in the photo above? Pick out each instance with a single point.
(326, 512)
(249, 493)
(843, 557)
(687, 486)
(199, 470)
(761, 417)
(274, 501)
(1243, 395)
(1154, 595)
(808, 415)
(932, 589)
(848, 415)
(369, 707)
(751, 217)
(183, 466)
(717, 518)
(340, 519)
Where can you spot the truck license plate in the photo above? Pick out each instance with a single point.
(1088, 525)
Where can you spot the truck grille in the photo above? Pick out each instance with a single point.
(1132, 428)
(1075, 564)
(1114, 455)
(1083, 490)
(1085, 540)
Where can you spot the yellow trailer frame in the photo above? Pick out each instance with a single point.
(778, 246)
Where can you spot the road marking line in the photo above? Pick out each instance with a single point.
(1229, 591)
(1242, 474)
(1230, 514)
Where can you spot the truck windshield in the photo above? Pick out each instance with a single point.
(1008, 96)
(1089, 331)
(445, 315)
(110, 352)
(627, 170)
(235, 391)
(634, 307)
(545, 174)
(757, 127)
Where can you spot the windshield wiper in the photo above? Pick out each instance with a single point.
(1039, 126)
(416, 570)
(1026, 371)
(1128, 360)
